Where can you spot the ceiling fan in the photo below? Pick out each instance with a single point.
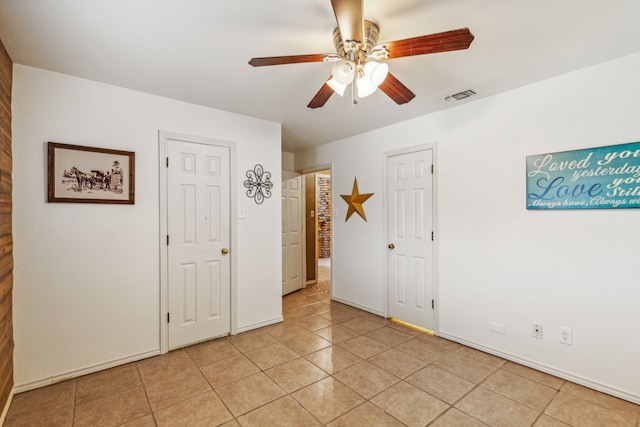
(359, 59)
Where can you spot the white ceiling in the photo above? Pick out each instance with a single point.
(197, 51)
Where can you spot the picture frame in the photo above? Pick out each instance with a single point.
(81, 174)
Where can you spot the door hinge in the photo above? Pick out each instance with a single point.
(168, 317)
(167, 162)
(433, 304)
(431, 237)
(167, 239)
(432, 168)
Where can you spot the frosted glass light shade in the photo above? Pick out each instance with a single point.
(365, 88)
(337, 87)
(376, 72)
(343, 72)
(374, 75)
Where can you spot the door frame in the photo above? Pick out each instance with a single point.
(436, 283)
(163, 141)
(316, 169)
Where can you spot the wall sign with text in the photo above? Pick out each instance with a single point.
(594, 178)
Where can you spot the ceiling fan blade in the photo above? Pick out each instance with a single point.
(349, 15)
(396, 90)
(322, 96)
(282, 60)
(441, 42)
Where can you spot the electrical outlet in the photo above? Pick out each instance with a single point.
(536, 331)
(565, 335)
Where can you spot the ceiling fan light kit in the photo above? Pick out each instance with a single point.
(359, 60)
(368, 76)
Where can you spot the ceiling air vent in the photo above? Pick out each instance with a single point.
(460, 95)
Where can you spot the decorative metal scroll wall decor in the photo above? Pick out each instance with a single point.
(355, 201)
(259, 184)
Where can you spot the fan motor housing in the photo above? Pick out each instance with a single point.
(371, 32)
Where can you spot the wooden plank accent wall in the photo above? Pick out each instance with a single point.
(6, 238)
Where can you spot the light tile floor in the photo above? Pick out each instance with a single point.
(327, 364)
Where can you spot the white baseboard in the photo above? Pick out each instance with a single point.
(545, 368)
(257, 325)
(5, 410)
(359, 306)
(31, 385)
(19, 388)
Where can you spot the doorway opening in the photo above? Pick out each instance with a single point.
(318, 230)
(306, 235)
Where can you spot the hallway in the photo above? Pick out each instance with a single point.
(324, 277)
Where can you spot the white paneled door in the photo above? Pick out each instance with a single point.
(410, 249)
(292, 235)
(198, 259)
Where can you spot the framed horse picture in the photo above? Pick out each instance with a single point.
(79, 174)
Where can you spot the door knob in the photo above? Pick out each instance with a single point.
(224, 251)
(392, 246)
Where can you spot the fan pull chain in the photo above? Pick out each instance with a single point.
(354, 89)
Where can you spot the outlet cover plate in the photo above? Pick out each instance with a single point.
(536, 331)
(565, 335)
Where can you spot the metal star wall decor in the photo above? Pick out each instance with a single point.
(355, 201)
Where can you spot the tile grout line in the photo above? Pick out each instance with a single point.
(75, 398)
(146, 395)
(210, 385)
(542, 413)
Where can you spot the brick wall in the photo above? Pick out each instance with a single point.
(324, 216)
